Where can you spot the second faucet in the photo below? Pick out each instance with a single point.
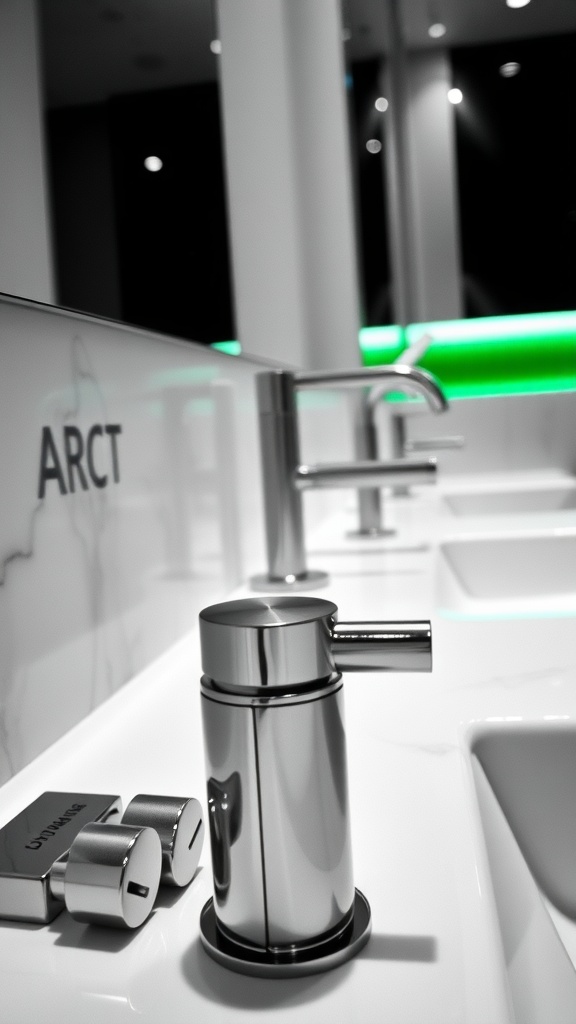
(285, 477)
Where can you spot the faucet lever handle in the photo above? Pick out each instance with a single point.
(382, 646)
(434, 444)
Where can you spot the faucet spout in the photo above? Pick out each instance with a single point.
(411, 380)
(381, 380)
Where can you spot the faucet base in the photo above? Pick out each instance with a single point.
(265, 963)
(371, 532)
(309, 580)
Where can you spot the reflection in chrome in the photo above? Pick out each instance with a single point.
(225, 817)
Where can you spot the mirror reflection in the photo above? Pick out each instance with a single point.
(464, 160)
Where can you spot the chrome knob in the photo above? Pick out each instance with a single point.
(179, 824)
(110, 875)
(278, 642)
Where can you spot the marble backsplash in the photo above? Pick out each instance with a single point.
(122, 514)
(131, 498)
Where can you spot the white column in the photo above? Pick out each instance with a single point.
(25, 255)
(421, 184)
(289, 181)
(433, 190)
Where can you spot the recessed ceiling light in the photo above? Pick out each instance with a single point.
(437, 30)
(216, 46)
(517, 3)
(373, 145)
(509, 69)
(153, 163)
(455, 95)
(381, 104)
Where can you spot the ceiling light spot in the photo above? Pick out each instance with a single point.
(381, 104)
(517, 3)
(437, 30)
(216, 46)
(455, 96)
(509, 69)
(153, 163)
(373, 145)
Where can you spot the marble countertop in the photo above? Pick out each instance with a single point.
(436, 954)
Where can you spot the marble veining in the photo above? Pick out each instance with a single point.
(131, 535)
(144, 450)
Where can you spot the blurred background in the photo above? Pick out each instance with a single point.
(138, 201)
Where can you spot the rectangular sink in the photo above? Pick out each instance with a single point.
(554, 498)
(526, 565)
(525, 782)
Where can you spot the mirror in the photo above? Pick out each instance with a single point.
(125, 81)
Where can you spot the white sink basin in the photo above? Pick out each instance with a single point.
(526, 787)
(525, 565)
(553, 498)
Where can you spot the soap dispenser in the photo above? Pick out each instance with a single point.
(272, 706)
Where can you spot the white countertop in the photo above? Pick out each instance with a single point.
(435, 955)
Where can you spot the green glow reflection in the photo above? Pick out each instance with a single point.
(495, 355)
(503, 355)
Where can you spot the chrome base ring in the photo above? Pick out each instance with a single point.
(262, 964)
(377, 531)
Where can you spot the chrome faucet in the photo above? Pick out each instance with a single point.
(419, 382)
(285, 477)
(284, 900)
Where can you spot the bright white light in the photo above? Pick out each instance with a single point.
(437, 30)
(517, 3)
(510, 69)
(455, 95)
(153, 163)
(216, 46)
(381, 104)
(373, 145)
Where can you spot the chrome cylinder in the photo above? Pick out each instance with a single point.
(273, 718)
(280, 458)
(279, 823)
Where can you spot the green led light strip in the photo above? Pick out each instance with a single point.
(491, 355)
(497, 355)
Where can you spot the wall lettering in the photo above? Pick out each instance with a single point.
(81, 461)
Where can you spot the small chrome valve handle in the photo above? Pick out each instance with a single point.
(70, 849)
(272, 708)
(435, 444)
(179, 823)
(110, 875)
